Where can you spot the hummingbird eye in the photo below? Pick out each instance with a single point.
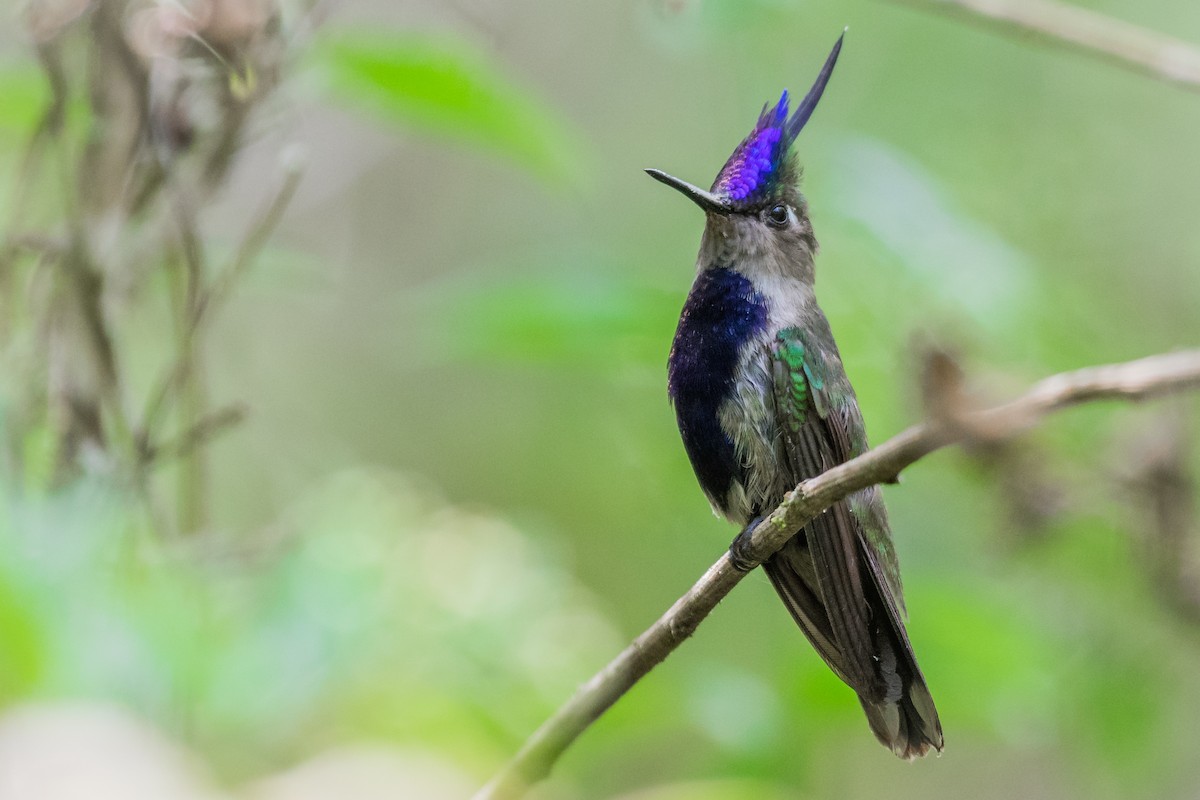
(779, 215)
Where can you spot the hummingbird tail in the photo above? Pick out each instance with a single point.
(909, 725)
(902, 716)
(887, 679)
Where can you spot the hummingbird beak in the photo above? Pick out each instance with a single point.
(706, 200)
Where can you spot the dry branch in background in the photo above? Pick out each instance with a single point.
(1122, 43)
(952, 422)
(148, 106)
(1155, 473)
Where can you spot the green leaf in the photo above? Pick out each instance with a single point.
(447, 89)
(23, 643)
(23, 99)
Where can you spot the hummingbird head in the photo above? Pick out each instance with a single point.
(755, 204)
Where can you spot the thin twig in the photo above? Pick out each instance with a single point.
(1116, 41)
(256, 239)
(219, 288)
(1133, 380)
(201, 433)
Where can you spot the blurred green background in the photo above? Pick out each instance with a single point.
(459, 489)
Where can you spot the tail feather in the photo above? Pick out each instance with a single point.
(896, 700)
(908, 725)
(904, 718)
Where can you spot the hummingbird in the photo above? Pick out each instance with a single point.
(763, 402)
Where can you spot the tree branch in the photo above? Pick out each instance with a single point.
(1134, 380)
(207, 299)
(1122, 43)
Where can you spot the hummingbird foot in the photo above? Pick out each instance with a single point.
(739, 548)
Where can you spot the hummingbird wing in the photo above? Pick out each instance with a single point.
(827, 562)
(839, 576)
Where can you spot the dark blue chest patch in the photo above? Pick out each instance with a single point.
(721, 314)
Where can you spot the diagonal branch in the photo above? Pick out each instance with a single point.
(1133, 380)
(207, 299)
(1122, 43)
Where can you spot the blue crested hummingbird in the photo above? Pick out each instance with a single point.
(763, 403)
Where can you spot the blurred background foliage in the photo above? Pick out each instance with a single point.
(334, 447)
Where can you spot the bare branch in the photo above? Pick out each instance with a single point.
(217, 292)
(1124, 44)
(1134, 380)
(201, 433)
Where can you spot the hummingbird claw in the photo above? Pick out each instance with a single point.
(739, 549)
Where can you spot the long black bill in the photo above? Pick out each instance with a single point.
(706, 200)
(809, 104)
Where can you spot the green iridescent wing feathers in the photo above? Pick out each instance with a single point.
(839, 577)
(849, 545)
(807, 395)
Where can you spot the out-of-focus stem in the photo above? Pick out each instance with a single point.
(1099, 35)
